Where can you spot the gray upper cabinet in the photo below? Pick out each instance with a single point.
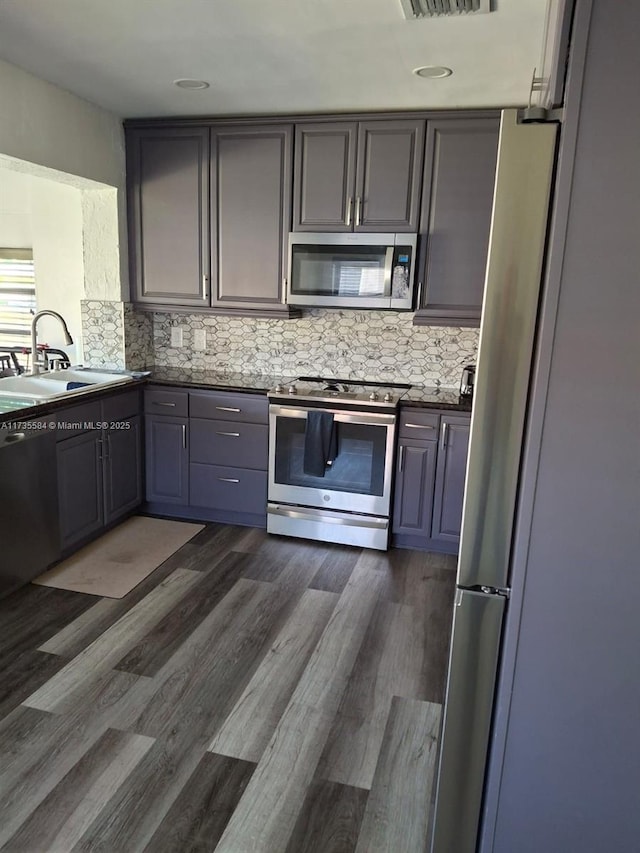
(324, 177)
(455, 220)
(168, 196)
(388, 177)
(251, 172)
(358, 176)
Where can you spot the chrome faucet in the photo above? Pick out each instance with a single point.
(35, 366)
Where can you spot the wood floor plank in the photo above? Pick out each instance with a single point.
(397, 812)
(82, 631)
(201, 683)
(267, 813)
(140, 804)
(158, 645)
(62, 741)
(19, 729)
(24, 674)
(389, 664)
(253, 720)
(274, 650)
(335, 571)
(201, 812)
(33, 614)
(330, 820)
(63, 816)
(72, 681)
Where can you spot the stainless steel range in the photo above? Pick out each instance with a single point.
(331, 451)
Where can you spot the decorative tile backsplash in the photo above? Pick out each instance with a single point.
(368, 345)
(102, 333)
(138, 338)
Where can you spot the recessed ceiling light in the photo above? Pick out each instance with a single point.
(187, 83)
(433, 72)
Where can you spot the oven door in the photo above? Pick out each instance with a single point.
(359, 480)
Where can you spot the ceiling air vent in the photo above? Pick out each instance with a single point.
(431, 8)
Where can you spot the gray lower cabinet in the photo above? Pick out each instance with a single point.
(429, 480)
(415, 475)
(358, 176)
(168, 199)
(208, 461)
(166, 459)
(99, 465)
(450, 477)
(457, 198)
(123, 469)
(80, 488)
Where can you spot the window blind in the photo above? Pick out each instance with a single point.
(17, 296)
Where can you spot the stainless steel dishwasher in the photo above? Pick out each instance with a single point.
(29, 529)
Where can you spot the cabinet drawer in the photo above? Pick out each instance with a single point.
(121, 406)
(231, 489)
(249, 408)
(419, 424)
(78, 419)
(166, 401)
(228, 443)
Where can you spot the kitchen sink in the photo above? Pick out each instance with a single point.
(54, 385)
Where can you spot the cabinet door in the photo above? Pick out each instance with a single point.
(167, 460)
(80, 487)
(413, 501)
(324, 176)
(390, 155)
(168, 186)
(455, 220)
(123, 469)
(251, 216)
(450, 477)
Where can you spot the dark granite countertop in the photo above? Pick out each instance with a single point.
(256, 382)
(420, 396)
(430, 397)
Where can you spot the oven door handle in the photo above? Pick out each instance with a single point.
(338, 416)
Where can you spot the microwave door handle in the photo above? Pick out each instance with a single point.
(388, 264)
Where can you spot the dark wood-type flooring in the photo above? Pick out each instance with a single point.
(255, 693)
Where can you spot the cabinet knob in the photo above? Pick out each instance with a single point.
(373, 395)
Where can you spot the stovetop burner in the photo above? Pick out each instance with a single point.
(328, 389)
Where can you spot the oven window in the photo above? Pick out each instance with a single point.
(358, 467)
(338, 270)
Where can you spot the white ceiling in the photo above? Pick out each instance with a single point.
(272, 56)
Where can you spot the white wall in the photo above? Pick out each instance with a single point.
(46, 125)
(56, 218)
(15, 210)
(47, 217)
(49, 133)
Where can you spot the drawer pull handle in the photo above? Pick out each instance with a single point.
(419, 426)
(228, 480)
(234, 434)
(227, 409)
(158, 403)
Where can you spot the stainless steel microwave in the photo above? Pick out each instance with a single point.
(352, 270)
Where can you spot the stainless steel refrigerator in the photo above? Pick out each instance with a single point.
(523, 189)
